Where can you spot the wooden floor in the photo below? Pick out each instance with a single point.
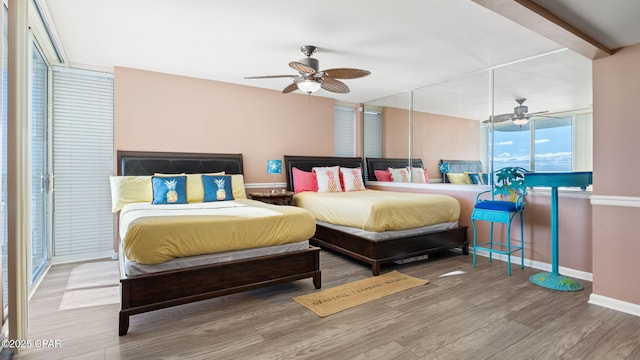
(479, 314)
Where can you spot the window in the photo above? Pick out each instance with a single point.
(344, 131)
(373, 134)
(559, 143)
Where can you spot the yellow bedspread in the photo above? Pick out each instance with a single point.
(375, 210)
(153, 234)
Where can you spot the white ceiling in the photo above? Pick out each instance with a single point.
(406, 44)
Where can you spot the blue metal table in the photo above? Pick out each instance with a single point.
(554, 280)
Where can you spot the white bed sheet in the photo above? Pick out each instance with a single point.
(385, 235)
(133, 268)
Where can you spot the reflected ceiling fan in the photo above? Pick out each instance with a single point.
(310, 79)
(520, 115)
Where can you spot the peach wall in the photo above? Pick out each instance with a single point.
(616, 248)
(163, 112)
(435, 137)
(616, 127)
(395, 133)
(616, 122)
(574, 228)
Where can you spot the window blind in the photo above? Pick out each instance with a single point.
(82, 163)
(372, 129)
(583, 142)
(373, 134)
(344, 131)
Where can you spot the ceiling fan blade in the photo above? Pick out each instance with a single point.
(536, 113)
(336, 86)
(291, 88)
(346, 73)
(548, 117)
(499, 118)
(302, 68)
(270, 76)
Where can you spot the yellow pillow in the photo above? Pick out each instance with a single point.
(195, 190)
(458, 178)
(129, 189)
(237, 185)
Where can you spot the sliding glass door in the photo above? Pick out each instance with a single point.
(39, 161)
(39, 167)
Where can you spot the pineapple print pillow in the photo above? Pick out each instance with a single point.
(217, 188)
(399, 174)
(328, 178)
(352, 179)
(169, 190)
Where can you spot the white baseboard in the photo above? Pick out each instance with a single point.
(615, 304)
(578, 274)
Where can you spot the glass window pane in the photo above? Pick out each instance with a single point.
(3, 209)
(553, 145)
(512, 146)
(39, 172)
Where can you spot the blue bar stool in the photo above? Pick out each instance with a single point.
(500, 205)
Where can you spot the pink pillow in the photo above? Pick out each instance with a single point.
(426, 176)
(304, 180)
(382, 175)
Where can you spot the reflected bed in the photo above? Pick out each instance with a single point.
(376, 247)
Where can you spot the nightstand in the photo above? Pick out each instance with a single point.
(276, 198)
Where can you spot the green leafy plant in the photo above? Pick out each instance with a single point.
(509, 182)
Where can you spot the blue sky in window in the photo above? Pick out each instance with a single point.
(552, 149)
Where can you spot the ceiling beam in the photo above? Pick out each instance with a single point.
(536, 18)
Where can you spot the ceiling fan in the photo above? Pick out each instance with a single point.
(520, 115)
(310, 79)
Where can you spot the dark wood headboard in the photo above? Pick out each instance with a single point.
(306, 163)
(150, 162)
(385, 163)
(460, 166)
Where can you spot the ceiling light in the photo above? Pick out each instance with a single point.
(520, 121)
(309, 86)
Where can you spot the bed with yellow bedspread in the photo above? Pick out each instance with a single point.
(375, 210)
(153, 234)
(178, 254)
(376, 227)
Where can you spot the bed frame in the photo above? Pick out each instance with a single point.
(375, 253)
(148, 292)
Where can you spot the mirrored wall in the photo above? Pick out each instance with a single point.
(535, 113)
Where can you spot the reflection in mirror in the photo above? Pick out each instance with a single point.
(543, 113)
(451, 119)
(393, 141)
(446, 124)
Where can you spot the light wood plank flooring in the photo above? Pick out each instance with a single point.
(480, 314)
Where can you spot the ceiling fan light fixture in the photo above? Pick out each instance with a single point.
(309, 85)
(520, 121)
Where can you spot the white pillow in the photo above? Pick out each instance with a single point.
(328, 178)
(417, 175)
(399, 174)
(352, 179)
